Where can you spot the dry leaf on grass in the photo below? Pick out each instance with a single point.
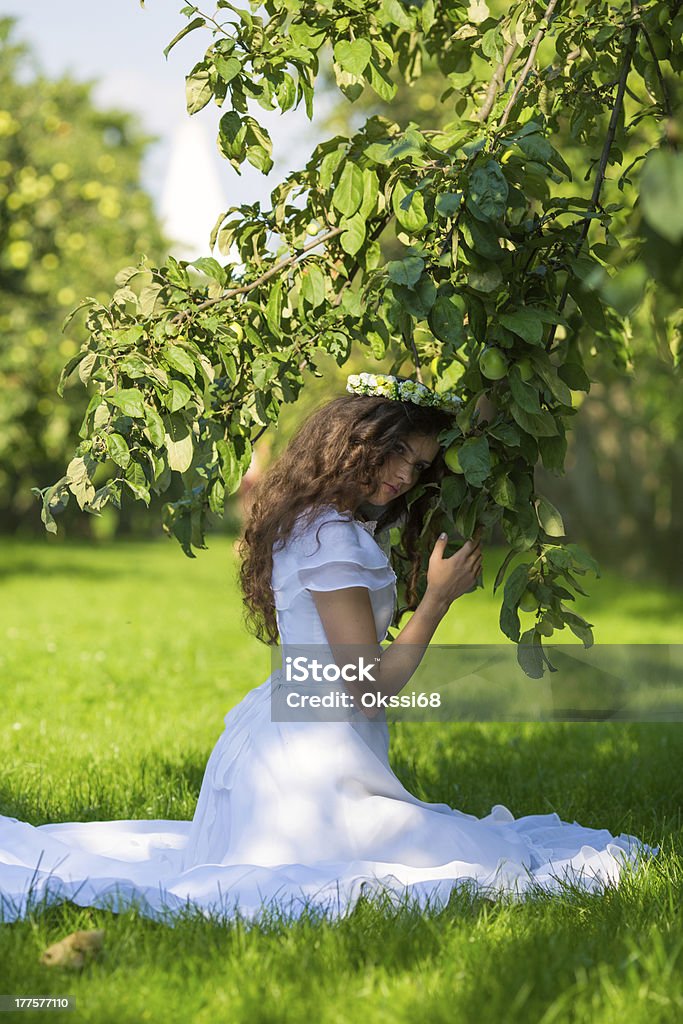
(75, 950)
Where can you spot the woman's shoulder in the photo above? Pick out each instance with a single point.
(325, 524)
(337, 535)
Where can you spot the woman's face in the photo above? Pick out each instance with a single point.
(403, 467)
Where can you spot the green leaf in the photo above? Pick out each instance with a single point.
(476, 316)
(178, 396)
(453, 491)
(370, 192)
(574, 376)
(448, 203)
(135, 366)
(211, 267)
(154, 426)
(179, 447)
(274, 307)
(231, 468)
(190, 27)
(178, 359)
(408, 205)
(503, 491)
(515, 586)
(525, 323)
(353, 56)
(353, 235)
(348, 193)
(493, 44)
(579, 627)
(524, 394)
(406, 271)
(136, 481)
(482, 238)
(68, 370)
(521, 532)
(232, 134)
(484, 280)
(530, 654)
(661, 194)
(417, 301)
(581, 558)
(553, 451)
(117, 449)
(475, 460)
(395, 12)
(505, 432)
(313, 285)
(78, 475)
(536, 147)
(227, 67)
(446, 319)
(198, 90)
(542, 425)
(500, 575)
(488, 191)
(549, 518)
(129, 400)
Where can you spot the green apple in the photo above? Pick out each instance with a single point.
(528, 602)
(526, 370)
(237, 330)
(452, 460)
(545, 628)
(313, 227)
(493, 363)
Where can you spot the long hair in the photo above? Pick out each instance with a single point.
(338, 450)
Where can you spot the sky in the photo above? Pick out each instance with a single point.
(120, 45)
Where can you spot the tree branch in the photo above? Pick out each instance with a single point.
(604, 157)
(496, 83)
(545, 25)
(275, 269)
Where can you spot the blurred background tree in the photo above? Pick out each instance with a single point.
(72, 211)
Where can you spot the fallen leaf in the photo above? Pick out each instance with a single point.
(74, 950)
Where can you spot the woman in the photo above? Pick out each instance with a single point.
(307, 812)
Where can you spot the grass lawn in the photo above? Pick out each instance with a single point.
(118, 664)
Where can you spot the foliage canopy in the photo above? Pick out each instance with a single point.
(500, 258)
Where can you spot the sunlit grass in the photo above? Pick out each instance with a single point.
(118, 664)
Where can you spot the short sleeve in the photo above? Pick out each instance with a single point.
(331, 554)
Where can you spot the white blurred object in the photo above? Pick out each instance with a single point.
(192, 196)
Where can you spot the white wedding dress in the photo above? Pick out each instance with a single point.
(295, 815)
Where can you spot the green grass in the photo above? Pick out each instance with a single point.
(118, 664)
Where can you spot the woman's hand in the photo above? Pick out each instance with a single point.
(450, 578)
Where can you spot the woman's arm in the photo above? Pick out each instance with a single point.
(349, 622)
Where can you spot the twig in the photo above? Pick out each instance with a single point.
(416, 358)
(545, 24)
(604, 157)
(275, 269)
(496, 83)
(666, 104)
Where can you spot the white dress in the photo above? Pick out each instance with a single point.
(295, 815)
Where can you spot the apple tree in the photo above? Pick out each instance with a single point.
(499, 259)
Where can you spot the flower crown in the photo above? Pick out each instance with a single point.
(387, 386)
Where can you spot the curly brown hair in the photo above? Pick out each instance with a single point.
(337, 450)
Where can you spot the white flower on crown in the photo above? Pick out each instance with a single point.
(389, 386)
